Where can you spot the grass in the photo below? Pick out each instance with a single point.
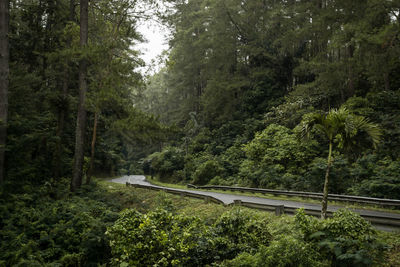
(270, 196)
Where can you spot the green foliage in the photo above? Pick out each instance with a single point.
(242, 67)
(346, 239)
(160, 238)
(276, 152)
(206, 172)
(42, 226)
(349, 132)
(343, 128)
(376, 177)
(47, 226)
(340, 174)
(235, 68)
(166, 162)
(283, 252)
(239, 231)
(164, 238)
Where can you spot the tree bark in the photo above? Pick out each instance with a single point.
(90, 172)
(76, 181)
(350, 85)
(325, 193)
(4, 81)
(386, 79)
(64, 95)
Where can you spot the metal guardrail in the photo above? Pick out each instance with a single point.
(177, 192)
(384, 220)
(278, 209)
(333, 197)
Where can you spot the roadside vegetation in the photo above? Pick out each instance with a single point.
(111, 224)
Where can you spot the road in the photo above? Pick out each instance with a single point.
(228, 199)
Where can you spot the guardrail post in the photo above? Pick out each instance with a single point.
(279, 210)
(127, 184)
(237, 202)
(206, 199)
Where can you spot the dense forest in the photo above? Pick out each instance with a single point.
(243, 78)
(278, 94)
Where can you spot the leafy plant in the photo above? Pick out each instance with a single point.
(239, 231)
(346, 239)
(166, 162)
(160, 238)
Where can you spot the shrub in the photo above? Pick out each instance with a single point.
(39, 230)
(274, 152)
(285, 251)
(340, 178)
(166, 162)
(159, 238)
(289, 251)
(376, 177)
(206, 171)
(346, 239)
(239, 231)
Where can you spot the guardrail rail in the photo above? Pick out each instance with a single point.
(384, 219)
(332, 197)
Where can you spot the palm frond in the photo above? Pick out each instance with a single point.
(340, 126)
(371, 130)
(309, 122)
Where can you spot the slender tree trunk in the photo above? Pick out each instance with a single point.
(4, 80)
(325, 194)
(350, 86)
(386, 79)
(76, 181)
(64, 94)
(90, 172)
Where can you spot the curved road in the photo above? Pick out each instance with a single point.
(230, 198)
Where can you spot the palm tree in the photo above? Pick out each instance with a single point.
(343, 128)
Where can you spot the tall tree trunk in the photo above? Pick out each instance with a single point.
(90, 172)
(76, 181)
(4, 76)
(325, 194)
(64, 95)
(350, 85)
(386, 79)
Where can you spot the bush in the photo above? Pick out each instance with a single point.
(274, 152)
(159, 238)
(340, 178)
(206, 171)
(166, 162)
(285, 251)
(376, 177)
(232, 158)
(239, 231)
(37, 229)
(162, 238)
(346, 239)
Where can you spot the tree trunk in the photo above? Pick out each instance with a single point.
(350, 85)
(64, 95)
(325, 194)
(76, 181)
(90, 172)
(386, 79)
(4, 80)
